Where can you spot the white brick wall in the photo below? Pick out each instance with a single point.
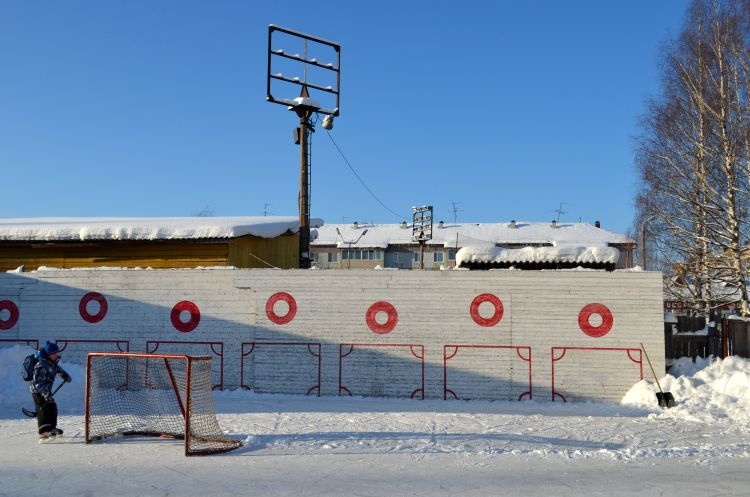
(430, 345)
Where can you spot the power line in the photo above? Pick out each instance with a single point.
(360, 179)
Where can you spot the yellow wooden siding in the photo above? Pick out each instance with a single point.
(280, 252)
(255, 252)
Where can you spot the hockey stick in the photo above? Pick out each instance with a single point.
(32, 414)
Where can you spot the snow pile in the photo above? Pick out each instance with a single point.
(14, 392)
(705, 391)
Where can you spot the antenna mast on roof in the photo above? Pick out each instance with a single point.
(560, 211)
(455, 211)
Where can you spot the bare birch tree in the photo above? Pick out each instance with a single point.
(692, 157)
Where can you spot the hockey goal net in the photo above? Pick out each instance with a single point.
(153, 395)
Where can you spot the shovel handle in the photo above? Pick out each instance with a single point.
(652, 368)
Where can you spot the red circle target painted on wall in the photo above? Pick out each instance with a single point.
(176, 316)
(12, 309)
(390, 322)
(490, 299)
(584, 320)
(290, 313)
(84, 311)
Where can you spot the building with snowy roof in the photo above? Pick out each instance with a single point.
(520, 245)
(170, 242)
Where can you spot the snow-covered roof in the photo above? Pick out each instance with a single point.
(146, 228)
(538, 255)
(471, 234)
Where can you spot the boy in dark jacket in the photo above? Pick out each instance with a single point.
(45, 371)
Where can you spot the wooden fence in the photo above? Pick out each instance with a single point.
(731, 338)
(738, 338)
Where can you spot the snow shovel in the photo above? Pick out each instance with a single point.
(665, 399)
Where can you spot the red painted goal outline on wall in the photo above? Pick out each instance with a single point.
(121, 345)
(217, 349)
(562, 350)
(448, 356)
(416, 350)
(22, 341)
(249, 347)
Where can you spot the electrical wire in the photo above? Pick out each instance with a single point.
(399, 216)
(263, 261)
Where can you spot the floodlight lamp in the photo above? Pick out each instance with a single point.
(328, 122)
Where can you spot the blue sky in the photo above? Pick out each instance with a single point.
(489, 111)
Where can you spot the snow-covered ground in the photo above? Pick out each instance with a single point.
(309, 446)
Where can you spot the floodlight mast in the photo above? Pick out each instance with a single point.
(421, 228)
(350, 243)
(305, 107)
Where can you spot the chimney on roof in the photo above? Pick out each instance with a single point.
(441, 225)
(597, 224)
(554, 224)
(513, 224)
(404, 225)
(355, 225)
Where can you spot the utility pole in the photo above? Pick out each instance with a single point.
(304, 106)
(304, 112)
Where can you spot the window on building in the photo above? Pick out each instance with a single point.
(452, 254)
(361, 254)
(437, 257)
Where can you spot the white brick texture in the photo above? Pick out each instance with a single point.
(500, 335)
